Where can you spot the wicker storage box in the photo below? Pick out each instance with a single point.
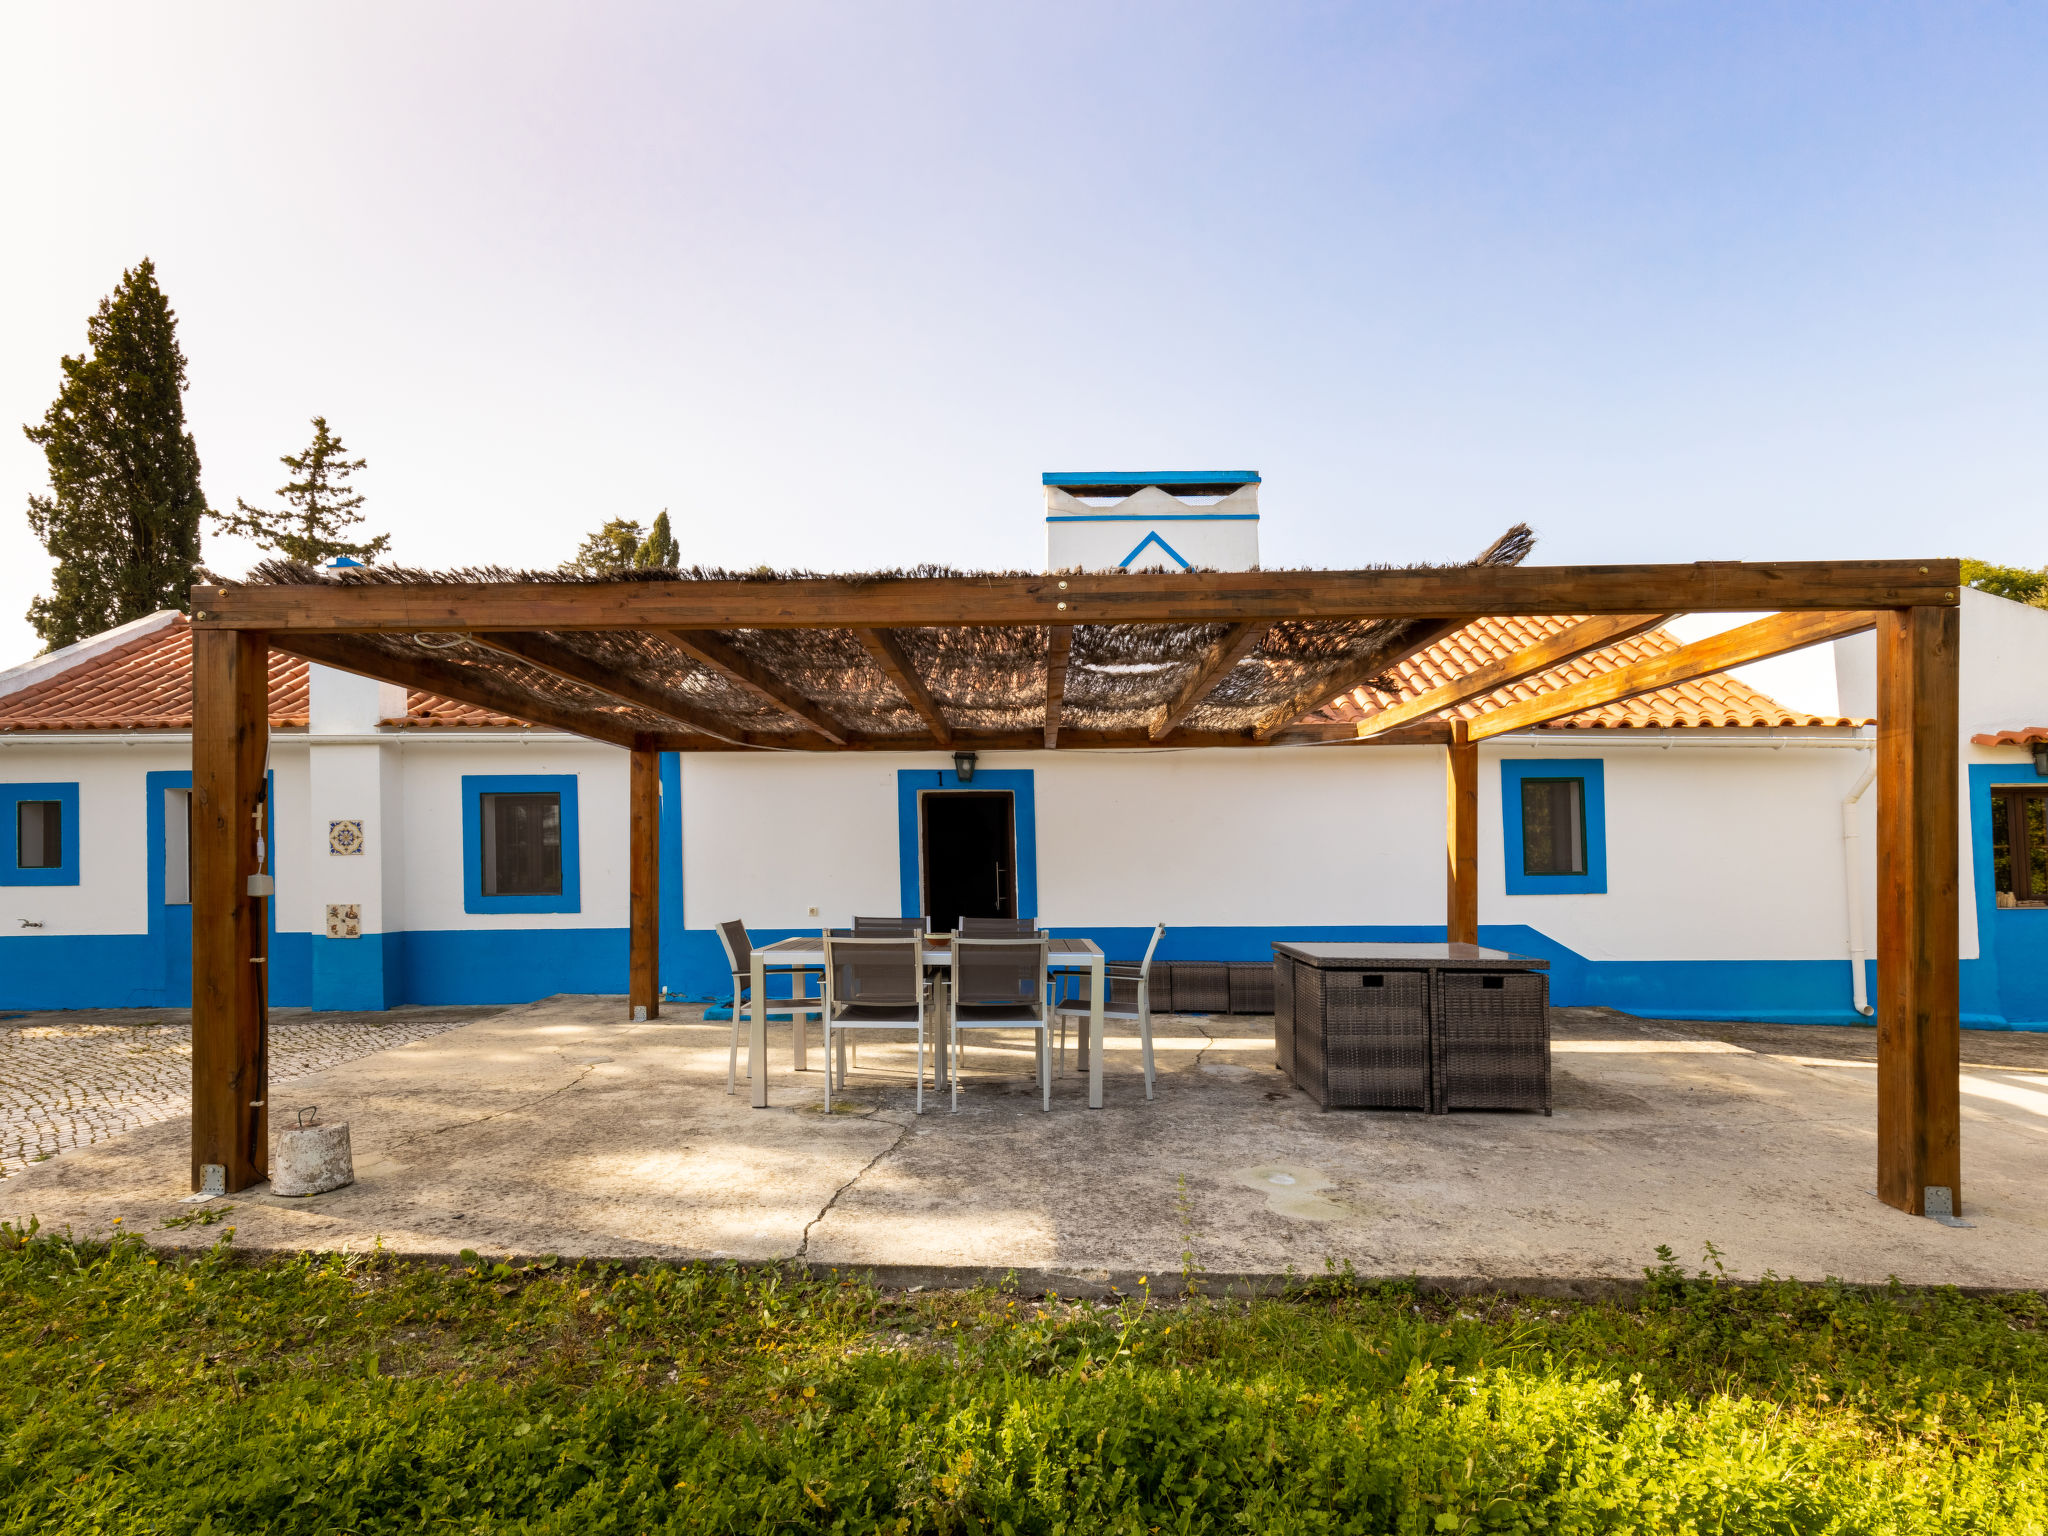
(1491, 1040)
(1251, 987)
(1360, 1039)
(1283, 1014)
(1160, 986)
(1412, 1026)
(1201, 986)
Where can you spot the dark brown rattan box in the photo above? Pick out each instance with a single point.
(1251, 987)
(1491, 1040)
(1201, 986)
(1356, 1026)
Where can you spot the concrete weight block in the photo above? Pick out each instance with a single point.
(312, 1159)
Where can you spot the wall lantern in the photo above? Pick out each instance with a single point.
(2040, 759)
(963, 763)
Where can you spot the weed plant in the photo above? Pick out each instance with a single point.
(148, 1392)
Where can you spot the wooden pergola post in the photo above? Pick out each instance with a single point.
(230, 991)
(1461, 836)
(644, 862)
(1919, 1151)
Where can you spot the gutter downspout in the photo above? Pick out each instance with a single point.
(1855, 917)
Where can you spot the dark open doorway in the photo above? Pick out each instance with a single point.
(970, 856)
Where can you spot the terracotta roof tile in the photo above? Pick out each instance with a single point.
(1720, 700)
(2020, 736)
(146, 685)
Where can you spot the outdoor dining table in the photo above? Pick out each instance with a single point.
(809, 953)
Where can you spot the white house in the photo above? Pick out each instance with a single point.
(1700, 852)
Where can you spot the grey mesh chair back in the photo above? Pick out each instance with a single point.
(998, 972)
(739, 949)
(872, 971)
(866, 927)
(999, 927)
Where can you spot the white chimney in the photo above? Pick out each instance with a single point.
(1173, 520)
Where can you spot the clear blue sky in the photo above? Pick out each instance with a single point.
(834, 283)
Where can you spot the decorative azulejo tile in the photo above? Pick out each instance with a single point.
(344, 837)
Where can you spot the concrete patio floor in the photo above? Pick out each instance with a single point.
(558, 1129)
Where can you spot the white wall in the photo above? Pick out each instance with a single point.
(431, 813)
(1712, 854)
(112, 894)
(769, 835)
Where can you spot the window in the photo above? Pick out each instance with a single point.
(2019, 846)
(177, 847)
(38, 834)
(1553, 815)
(1553, 826)
(522, 845)
(519, 843)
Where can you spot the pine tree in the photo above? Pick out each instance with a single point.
(321, 506)
(661, 551)
(122, 516)
(614, 547)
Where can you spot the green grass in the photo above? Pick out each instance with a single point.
(144, 1392)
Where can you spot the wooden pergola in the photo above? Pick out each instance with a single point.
(632, 663)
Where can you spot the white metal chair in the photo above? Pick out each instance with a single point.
(1001, 984)
(1134, 1005)
(872, 983)
(739, 954)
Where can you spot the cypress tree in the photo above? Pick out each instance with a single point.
(320, 506)
(122, 516)
(661, 551)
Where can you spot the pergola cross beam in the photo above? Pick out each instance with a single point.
(704, 646)
(888, 654)
(1229, 648)
(1551, 651)
(464, 685)
(1059, 650)
(1777, 635)
(1188, 597)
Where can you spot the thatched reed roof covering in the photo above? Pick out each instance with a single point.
(985, 681)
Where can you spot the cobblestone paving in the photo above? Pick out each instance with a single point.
(69, 1079)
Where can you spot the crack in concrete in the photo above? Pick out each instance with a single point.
(803, 1248)
(1206, 1036)
(496, 1114)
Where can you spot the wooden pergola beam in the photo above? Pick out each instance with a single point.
(1461, 837)
(1919, 1137)
(551, 656)
(1427, 733)
(887, 652)
(1554, 650)
(1085, 597)
(1229, 648)
(1059, 650)
(643, 861)
(465, 685)
(704, 646)
(1774, 636)
(1415, 639)
(230, 982)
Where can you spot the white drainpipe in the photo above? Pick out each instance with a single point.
(1849, 872)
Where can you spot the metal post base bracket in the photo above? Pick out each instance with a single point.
(1939, 1203)
(213, 1183)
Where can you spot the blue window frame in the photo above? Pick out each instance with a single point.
(39, 848)
(1553, 814)
(475, 788)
